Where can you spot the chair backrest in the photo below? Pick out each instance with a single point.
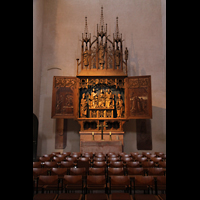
(116, 164)
(155, 171)
(97, 171)
(48, 180)
(161, 180)
(74, 159)
(147, 164)
(133, 164)
(96, 180)
(119, 180)
(48, 164)
(67, 153)
(99, 164)
(126, 159)
(43, 159)
(39, 171)
(37, 165)
(84, 158)
(144, 180)
(156, 159)
(142, 159)
(102, 158)
(72, 180)
(110, 159)
(83, 164)
(77, 171)
(162, 164)
(58, 159)
(59, 171)
(66, 164)
(135, 171)
(116, 171)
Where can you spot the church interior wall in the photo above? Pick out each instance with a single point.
(57, 29)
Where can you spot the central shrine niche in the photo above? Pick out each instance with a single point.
(101, 102)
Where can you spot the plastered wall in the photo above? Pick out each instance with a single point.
(58, 28)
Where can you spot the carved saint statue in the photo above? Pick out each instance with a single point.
(93, 98)
(109, 98)
(86, 57)
(120, 106)
(83, 107)
(101, 99)
(117, 57)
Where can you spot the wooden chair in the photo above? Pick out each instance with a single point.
(39, 171)
(49, 164)
(116, 171)
(147, 164)
(97, 182)
(97, 171)
(83, 164)
(96, 196)
(132, 164)
(155, 172)
(48, 183)
(135, 171)
(102, 158)
(66, 164)
(66, 154)
(117, 183)
(156, 160)
(73, 183)
(37, 165)
(58, 159)
(43, 159)
(126, 159)
(77, 171)
(110, 159)
(161, 183)
(36, 173)
(51, 196)
(162, 164)
(99, 164)
(70, 196)
(116, 164)
(144, 182)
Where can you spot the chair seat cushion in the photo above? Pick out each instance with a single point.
(146, 197)
(96, 196)
(121, 196)
(50, 196)
(70, 196)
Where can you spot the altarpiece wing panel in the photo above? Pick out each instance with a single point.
(65, 97)
(138, 97)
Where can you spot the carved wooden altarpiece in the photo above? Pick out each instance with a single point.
(101, 93)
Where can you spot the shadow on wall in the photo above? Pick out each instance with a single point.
(158, 132)
(73, 137)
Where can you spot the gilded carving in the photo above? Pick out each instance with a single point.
(83, 107)
(64, 82)
(120, 106)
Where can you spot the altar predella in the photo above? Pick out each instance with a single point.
(102, 92)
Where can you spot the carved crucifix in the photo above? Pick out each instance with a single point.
(101, 125)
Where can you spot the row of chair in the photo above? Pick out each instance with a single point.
(99, 182)
(98, 171)
(87, 164)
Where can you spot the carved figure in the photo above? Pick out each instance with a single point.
(86, 57)
(109, 98)
(93, 98)
(83, 107)
(101, 99)
(120, 106)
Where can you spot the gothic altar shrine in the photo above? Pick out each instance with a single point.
(101, 97)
